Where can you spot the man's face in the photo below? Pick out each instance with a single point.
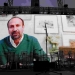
(15, 28)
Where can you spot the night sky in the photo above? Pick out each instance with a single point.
(44, 3)
(50, 3)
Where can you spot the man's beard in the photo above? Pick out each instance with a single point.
(15, 35)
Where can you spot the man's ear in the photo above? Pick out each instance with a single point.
(23, 27)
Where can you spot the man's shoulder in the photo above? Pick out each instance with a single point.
(4, 39)
(29, 37)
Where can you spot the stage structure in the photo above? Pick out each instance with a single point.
(42, 10)
(16, 59)
(10, 2)
(60, 3)
(35, 8)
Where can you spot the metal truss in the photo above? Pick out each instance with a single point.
(60, 3)
(37, 10)
(10, 2)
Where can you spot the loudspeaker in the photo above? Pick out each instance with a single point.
(53, 65)
(13, 65)
(40, 66)
(35, 3)
(5, 4)
(65, 5)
